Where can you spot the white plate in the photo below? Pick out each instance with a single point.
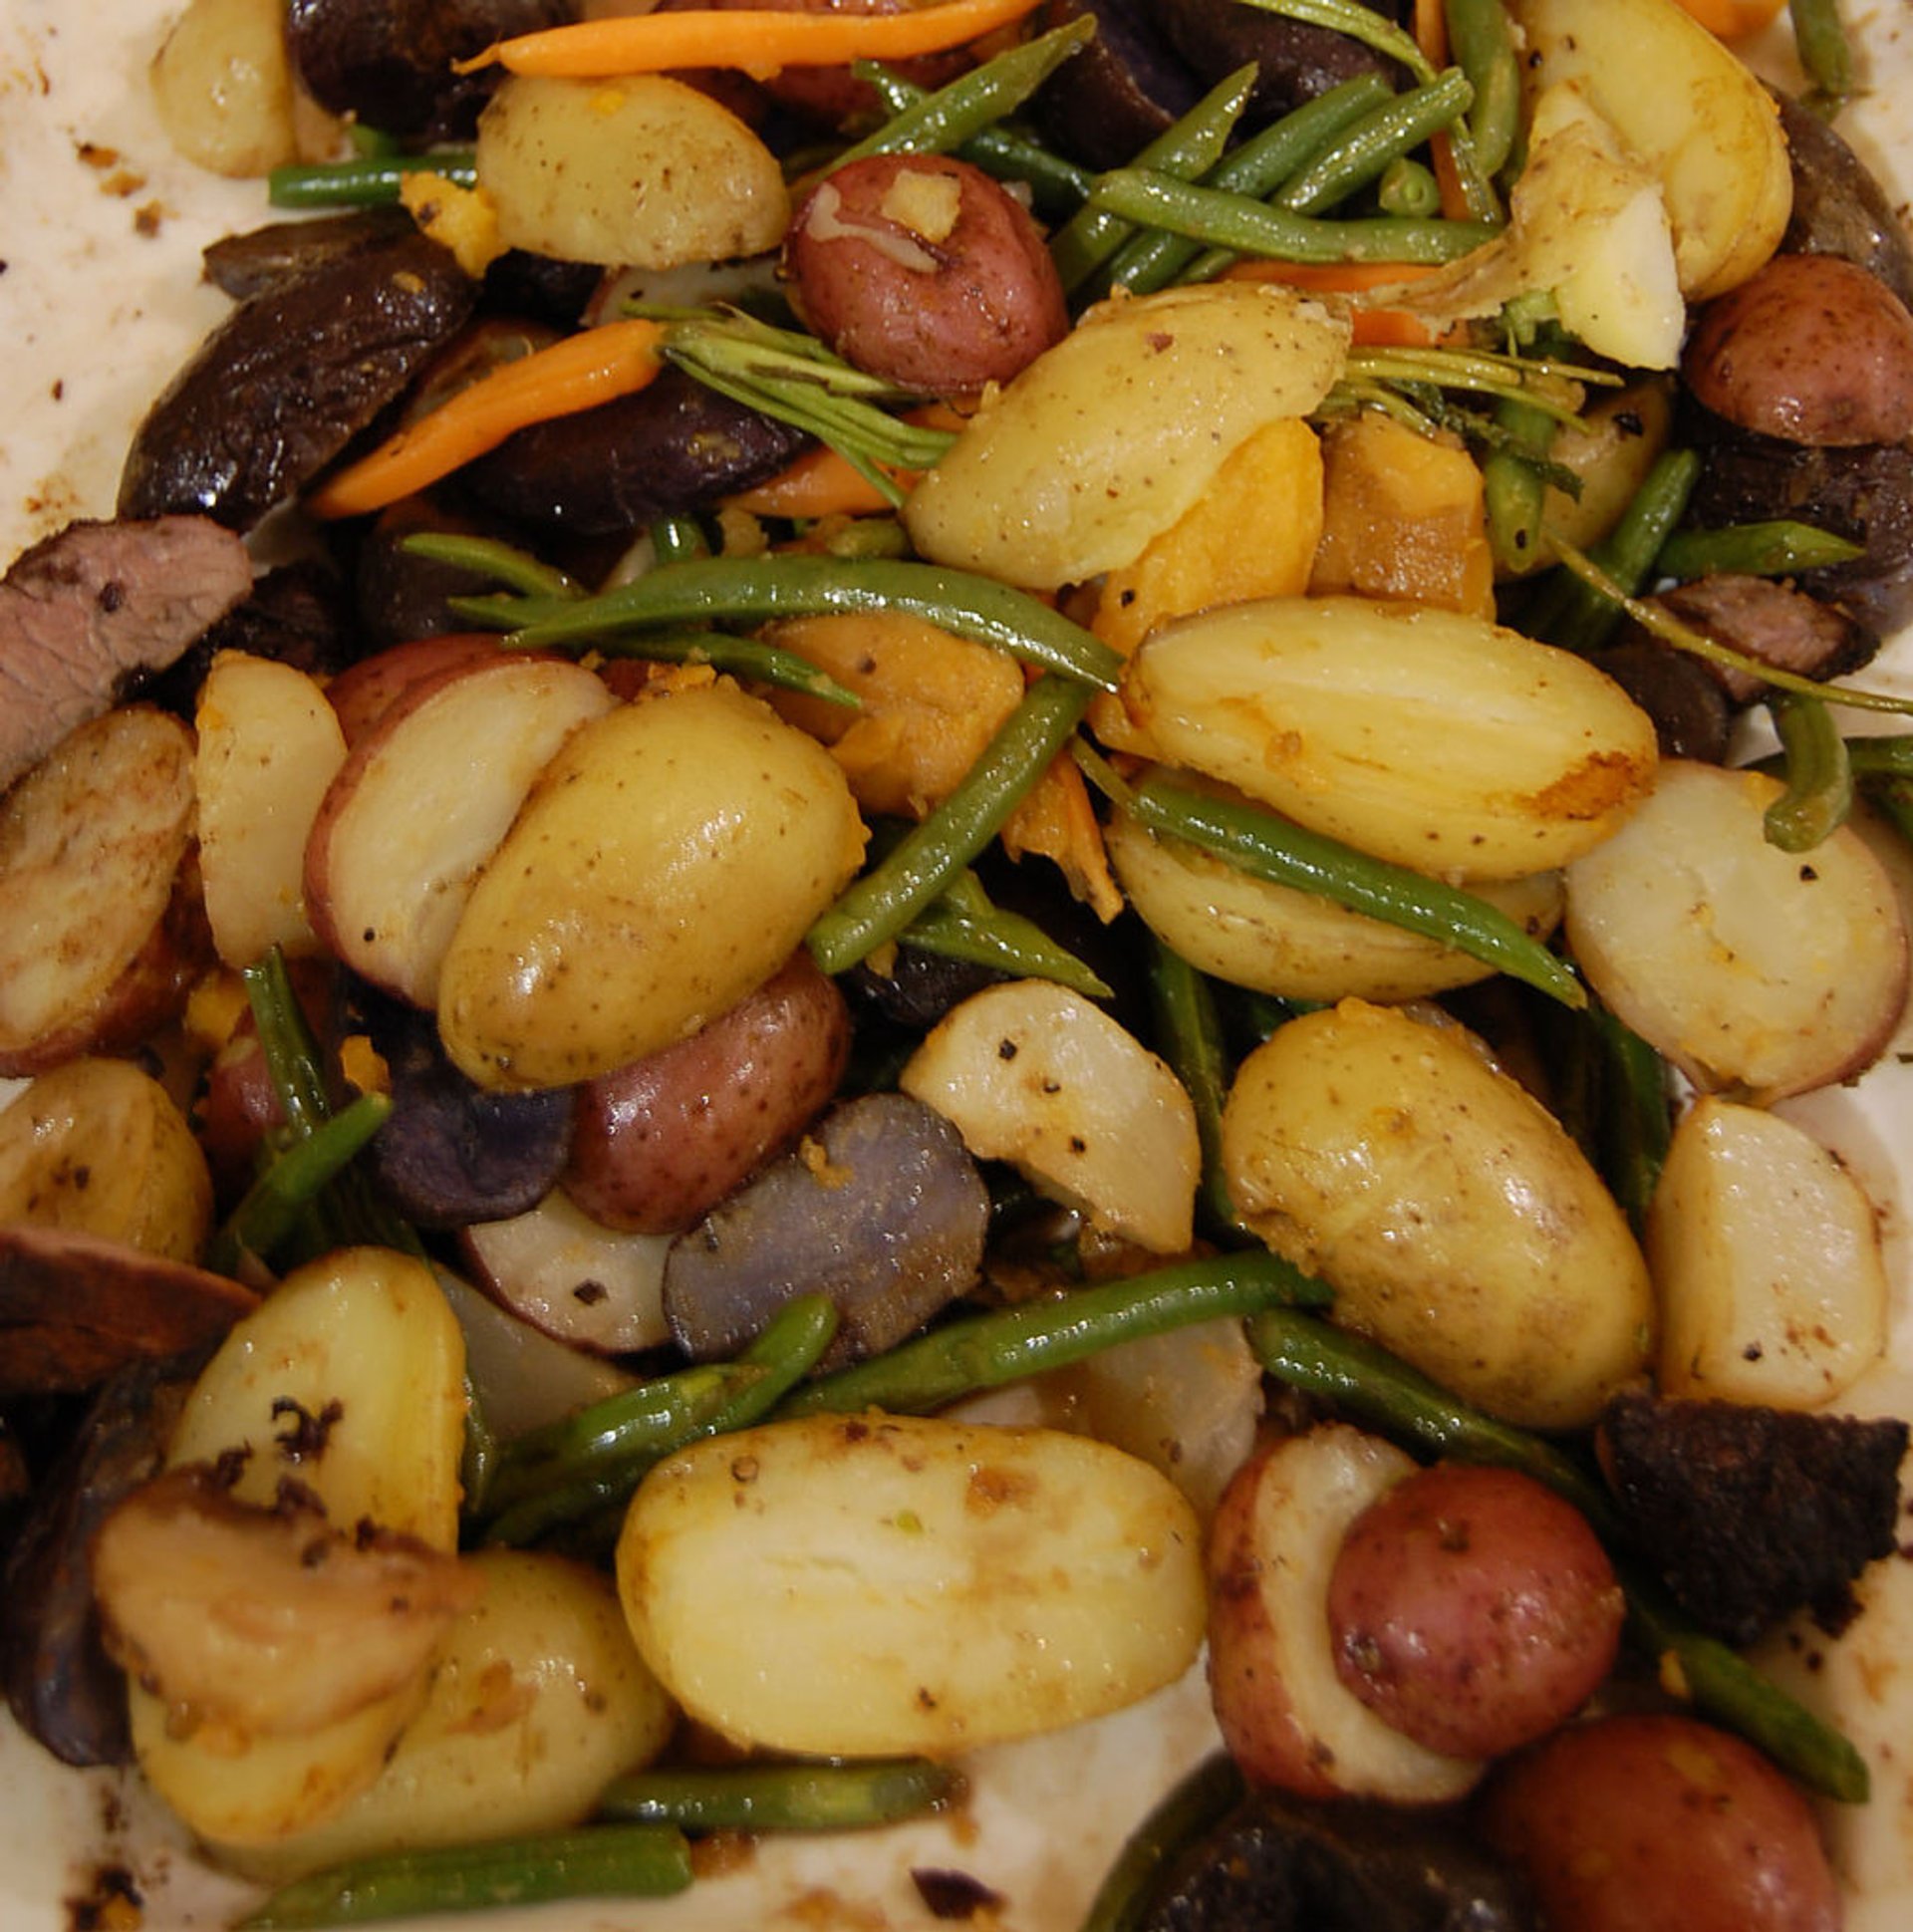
(99, 299)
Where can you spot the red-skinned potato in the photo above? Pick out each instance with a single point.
(661, 1141)
(1288, 1718)
(921, 269)
(362, 693)
(1810, 349)
(1473, 1609)
(1657, 1822)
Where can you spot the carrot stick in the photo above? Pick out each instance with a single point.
(758, 40)
(575, 374)
(1373, 328)
(820, 482)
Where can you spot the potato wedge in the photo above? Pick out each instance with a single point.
(423, 802)
(923, 1585)
(1758, 972)
(1030, 1072)
(1113, 436)
(224, 87)
(269, 745)
(102, 931)
(1455, 1221)
(1434, 739)
(1767, 1261)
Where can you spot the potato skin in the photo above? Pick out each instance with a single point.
(656, 1144)
(1473, 1609)
(1810, 349)
(921, 269)
(1653, 1822)
(1454, 1217)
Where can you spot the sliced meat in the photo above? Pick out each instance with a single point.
(1752, 1514)
(1771, 621)
(96, 608)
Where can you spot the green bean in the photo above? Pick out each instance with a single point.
(759, 589)
(1819, 781)
(1892, 797)
(963, 924)
(1197, 1803)
(1408, 188)
(1257, 168)
(1357, 22)
(678, 540)
(751, 658)
(601, 1861)
(1777, 548)
(1357, 1376)
(1361, 154)
(1484, 47)
(943, 121)
(1188, 1034)
(290, 1182)
(784, 1797)
(1825, 54)
(1247, 227)
(1578, 616)
(878, 906)
(1272, 848)
(364, 181)
(1633, 1123)
(1010, 1344)
(504, 563)
(1514, 485)
(1188, 149)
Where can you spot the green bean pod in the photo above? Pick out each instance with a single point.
(963, 924)
(1484, 46)
(1188, 1034)
(1774, 548)
(1365, 150)
(784, 1797)
(1827, 55)
(506, 564)
(1820, 780)
(364, 181)
(761, 589)
(601, 1861)
(1197, 1803)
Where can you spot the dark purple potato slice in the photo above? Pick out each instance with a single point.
(1296, 62)
(890, 1224)
(1839, 207)
(1115, 96)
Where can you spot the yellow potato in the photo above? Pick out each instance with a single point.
(1455, 1221)
(539, 1701)
(667, 861)
(1113, 435)
(224, 87)
(642, 172)
(1688, 108)
(1434, 739)
(875, 1585)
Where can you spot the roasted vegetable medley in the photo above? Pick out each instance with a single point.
(912, 883)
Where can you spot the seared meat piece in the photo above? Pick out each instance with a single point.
(1773, 622)
(1683, 695)
(1749, 1512)
(90, 611)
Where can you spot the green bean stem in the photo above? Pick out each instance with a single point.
(1009, 1344)
(1246, 227)
(1272, 848)
(364, 181)
(878, 906)
(1188, 1034)
(1776, 548)
(942, 122)
(1368, 1381)
(601, 1861)
(1188, 149)
(759, 589)
(1484, 46)
(783, 1798)
(1196, 1805)
(1820, 780)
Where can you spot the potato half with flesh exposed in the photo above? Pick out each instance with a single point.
(1111, 436)
(668, 861)
(1454, 1219)
(1758, 972)
(1436, 741)
(879, 1584)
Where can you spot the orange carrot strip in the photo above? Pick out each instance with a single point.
(575, 374)
(758, 40)
(1431, 31)
(1732, 19)
(1373, 328)
(820, 482)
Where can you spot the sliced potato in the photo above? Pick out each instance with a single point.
(1758, 972)
(879, 1584)
(1288, 1718)
(101, 926)
(1765, 1258)
(269, 745)
(640, 171)
(1435, 740)
(1688, 108)
(1107, 439)
(98, 1145)
(1299, 944)
(1454, 1219)
(1030, 1072)
(223, 86)
(423, 801)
